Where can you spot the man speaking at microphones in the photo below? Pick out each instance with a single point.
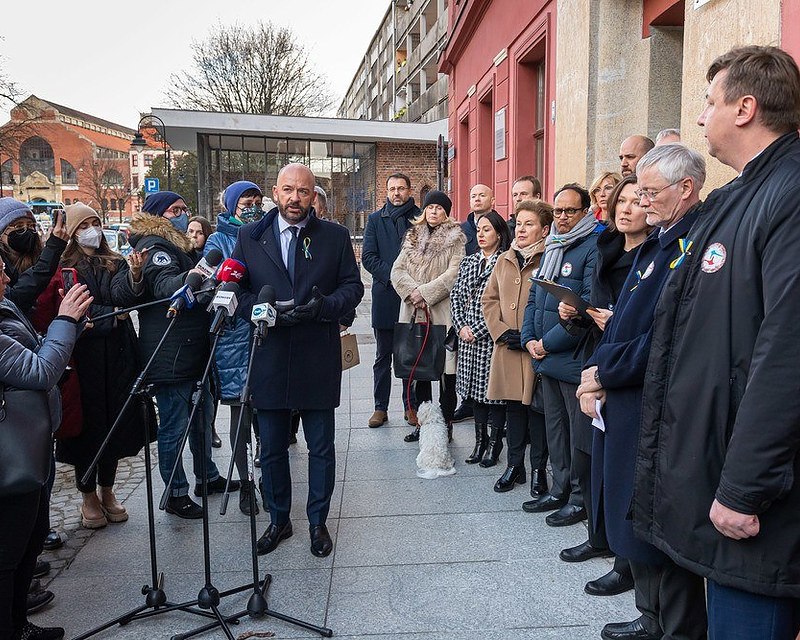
(298, 366)
(178, 365)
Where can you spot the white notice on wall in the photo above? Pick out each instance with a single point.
(500, 134)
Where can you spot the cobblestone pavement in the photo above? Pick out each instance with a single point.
(66, 501)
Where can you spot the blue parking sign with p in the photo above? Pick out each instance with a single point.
(151, 185)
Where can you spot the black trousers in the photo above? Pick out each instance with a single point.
(104, 474)
(382, 371)
(562, 413)
(582, 467)
(23, 528)
(493, 415)
(671, 600)
(447, 394)
(525, 426)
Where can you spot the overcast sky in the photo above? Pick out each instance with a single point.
(114, 61)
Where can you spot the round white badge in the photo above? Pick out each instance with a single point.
(714, 258)
(162, 259)
(649, 270)
(566, 269)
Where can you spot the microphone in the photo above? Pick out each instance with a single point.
(208, 265)
(264, 314)
(231, 271)
(184, 298)
(224, 304)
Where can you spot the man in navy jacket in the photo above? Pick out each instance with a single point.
(383, 237)
(310, 262)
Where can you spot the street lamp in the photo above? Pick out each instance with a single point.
(139, 143)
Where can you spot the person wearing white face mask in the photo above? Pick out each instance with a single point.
(106, 362)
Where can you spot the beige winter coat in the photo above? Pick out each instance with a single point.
(511, 374)
(429, 262)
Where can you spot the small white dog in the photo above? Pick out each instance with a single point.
(434, 458)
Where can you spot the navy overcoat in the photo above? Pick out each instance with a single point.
(300, 367)
(621, 360)
(383, 238)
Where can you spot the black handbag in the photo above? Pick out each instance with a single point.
(26, 440)
(451, 340)
(418, 350)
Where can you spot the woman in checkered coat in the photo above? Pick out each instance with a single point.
(474, 342)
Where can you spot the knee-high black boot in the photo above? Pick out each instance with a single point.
(481, 442)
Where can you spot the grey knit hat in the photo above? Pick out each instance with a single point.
(10, 210)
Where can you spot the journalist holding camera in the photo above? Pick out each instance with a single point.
(30, 409)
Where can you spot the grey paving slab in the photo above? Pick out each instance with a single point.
(401, 463)
(301, 594)
(420, 598)
(452, 494)
(460, 537)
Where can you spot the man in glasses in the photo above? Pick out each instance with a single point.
(569, 259)
(716, 483)
(161, 231)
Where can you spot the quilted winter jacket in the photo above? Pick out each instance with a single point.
(233, 349)
(541, 314)
(28, 362)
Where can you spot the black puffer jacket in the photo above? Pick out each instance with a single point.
(170, 256)
(721, 408)
(25, 287)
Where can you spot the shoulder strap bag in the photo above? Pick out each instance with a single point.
(26, 441)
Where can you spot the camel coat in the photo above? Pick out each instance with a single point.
(511, 375)
(429, 262)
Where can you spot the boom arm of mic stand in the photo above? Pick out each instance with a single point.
(135, 390)
(129, 309)
(195, 404)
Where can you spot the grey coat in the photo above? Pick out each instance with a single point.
(29, 362)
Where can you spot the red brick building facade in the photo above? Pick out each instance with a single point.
(49, 152)
(417, 161)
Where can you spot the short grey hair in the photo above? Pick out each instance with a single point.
(668, 132)
(675, 162)
(321, 193)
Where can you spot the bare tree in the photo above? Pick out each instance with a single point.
(103, 180)
(257, 68)
(24, 117)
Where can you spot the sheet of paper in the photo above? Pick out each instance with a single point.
(598, 422)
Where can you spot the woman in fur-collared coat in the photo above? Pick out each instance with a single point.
(423, 275)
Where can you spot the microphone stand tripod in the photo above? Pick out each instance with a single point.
(257, 604)
(155, 597)
(209, 596)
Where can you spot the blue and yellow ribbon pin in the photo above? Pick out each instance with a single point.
(684, 244)
(306, 250)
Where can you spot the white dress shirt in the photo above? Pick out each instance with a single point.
(286, 236)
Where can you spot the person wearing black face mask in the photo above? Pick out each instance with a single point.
(29, 265)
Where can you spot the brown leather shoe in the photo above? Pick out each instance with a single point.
(377, 419)
(411, 417)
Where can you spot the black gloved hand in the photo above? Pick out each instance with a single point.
(311, 311)
(285, 319)
(508, 334)
(510, 338)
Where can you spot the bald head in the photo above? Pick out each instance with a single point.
(481, 199)
(631, 149)
(294, 192)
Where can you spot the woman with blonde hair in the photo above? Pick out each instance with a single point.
(511, 375)
(423, 276)
(600, 191)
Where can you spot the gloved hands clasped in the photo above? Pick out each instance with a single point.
(311, 311)
(511, 339)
